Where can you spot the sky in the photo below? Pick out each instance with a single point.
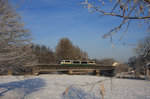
(51, 20)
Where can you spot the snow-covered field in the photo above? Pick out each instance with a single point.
(54, 86)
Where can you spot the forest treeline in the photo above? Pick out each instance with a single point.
(65, 50)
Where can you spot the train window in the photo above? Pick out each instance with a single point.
(67, 61)
(91, 62)
(76, 62)
(83, 62)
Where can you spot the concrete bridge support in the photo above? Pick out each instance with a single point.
(9, 72)
(70, 72)
(96, 72)
(35, 71)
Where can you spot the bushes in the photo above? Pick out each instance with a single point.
(121, 68)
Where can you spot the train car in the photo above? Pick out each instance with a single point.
(65, 62)
(76, 62)
(91, 62)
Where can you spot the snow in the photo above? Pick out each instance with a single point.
(54, 86)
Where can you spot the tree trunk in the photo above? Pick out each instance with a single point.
(147, 74)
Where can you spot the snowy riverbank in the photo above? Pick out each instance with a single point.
(53, 87)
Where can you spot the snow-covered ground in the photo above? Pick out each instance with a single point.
(54, 86)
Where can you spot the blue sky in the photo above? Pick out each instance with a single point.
(51, 20)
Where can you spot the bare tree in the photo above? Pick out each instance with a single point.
(143, 51)
(106, 61)
(15, 45)
(66, 50)
(132, 61)
(43, 54)
(127, 10)
(121, 68)
(143, 48)
(79, 54)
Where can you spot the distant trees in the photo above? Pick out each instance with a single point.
(132, 61)
(139, 63)
(66, 50)
(15, 45)
(143, 48)
(143, 51)
(106, 61)
(121, 68)
(43, 54)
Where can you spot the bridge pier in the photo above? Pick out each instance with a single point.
(96, 72)
(9, 72)
(70, 72)
(35, 71)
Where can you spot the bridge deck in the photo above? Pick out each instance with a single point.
(72, 67)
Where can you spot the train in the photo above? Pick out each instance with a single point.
(76, 62)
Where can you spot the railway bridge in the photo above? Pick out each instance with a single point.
(72, 69)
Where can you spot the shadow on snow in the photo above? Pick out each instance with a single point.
(24, 87)
(76, 93)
